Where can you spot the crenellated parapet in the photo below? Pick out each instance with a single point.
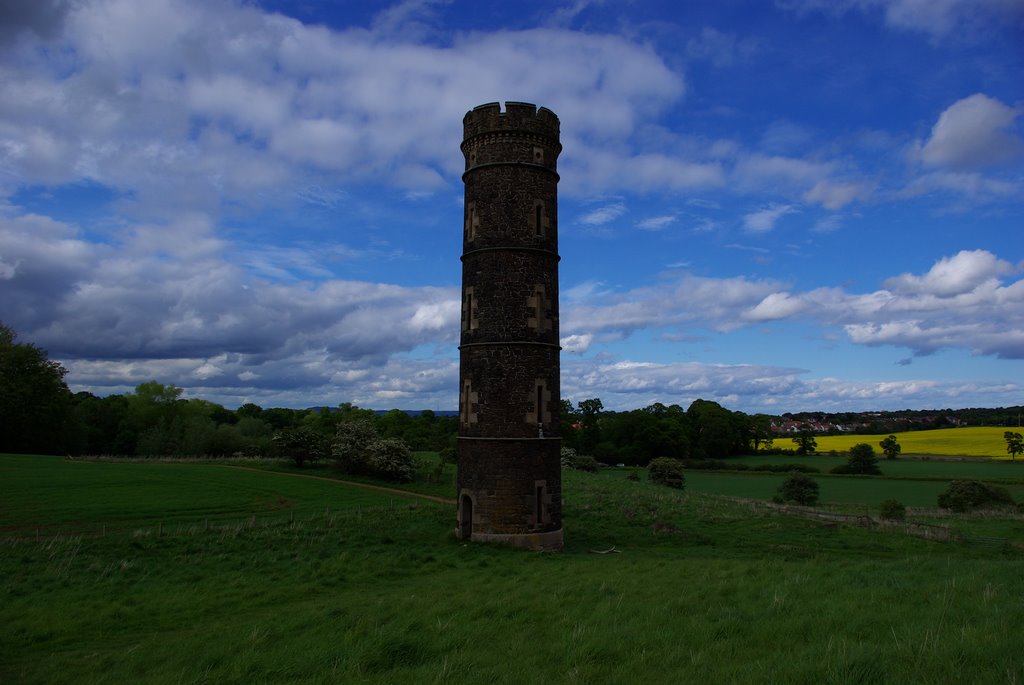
(517, 116)
(521, 134)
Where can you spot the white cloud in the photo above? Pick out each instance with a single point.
(828, 224)
(760, 172)
(936, 18)
(961, 302)
(764, 220)
(956, 275)
(603, 215)
(226, 101)
(656, 223)
(941, 17)
(970, 185)
(166, 293)
(593, 169)
(626, 384)
(775, 306)
(576, 343)
(834, 195)
(973, 133)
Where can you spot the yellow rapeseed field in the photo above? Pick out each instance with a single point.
(978, 441)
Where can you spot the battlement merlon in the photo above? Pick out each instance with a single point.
(518, 116)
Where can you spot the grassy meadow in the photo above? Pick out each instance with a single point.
(969, 441)
(203, 573)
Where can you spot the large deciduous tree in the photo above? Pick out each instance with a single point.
(1014, 444)
(36, 408)
(805, 442)
(891, 447)
(862, 460)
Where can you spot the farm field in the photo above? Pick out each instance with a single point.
(71, 495)
(972, 441)
(341, 584)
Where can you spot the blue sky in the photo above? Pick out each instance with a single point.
(780, 206)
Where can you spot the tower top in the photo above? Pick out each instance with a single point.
(518, 116)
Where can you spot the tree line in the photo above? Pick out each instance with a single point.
(39, 414)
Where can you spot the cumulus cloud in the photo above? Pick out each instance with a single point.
(775, 306)
(683, 299)
(975, 132)
(626, 384)
(961, 302)
(764, 220)
(164, 300)
(950, 276)
(271, 102)
(577, 343)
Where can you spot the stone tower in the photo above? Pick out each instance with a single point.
(510, 481)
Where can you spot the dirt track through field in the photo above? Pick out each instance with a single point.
(365, 486)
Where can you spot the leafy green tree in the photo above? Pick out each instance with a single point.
(798, 488)
(104, 425)
(36, 406)
(761, 436)
(716, 432)
(279, 417)
(249, 410)
(805, 442)
(891, 447)
(862, 461)
(391, 459)
(640, 435)
(579, 462)
(893, 510)
(1014, 444)
(351, 443)
(589, 414)
(302, 444)
(665, 471)
(964, 495)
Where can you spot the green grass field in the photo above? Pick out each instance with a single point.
(914, 482)
(977, 441)
(336, 584)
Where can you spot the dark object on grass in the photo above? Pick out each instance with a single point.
(965, 495)
(667, 471)
(862, 461)
(892, 510)
(798, 488)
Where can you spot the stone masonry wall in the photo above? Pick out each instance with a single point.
(509, 461)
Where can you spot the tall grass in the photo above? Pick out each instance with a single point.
(698, 589)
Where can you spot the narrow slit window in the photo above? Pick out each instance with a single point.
(539, 504)
(538, 220)
(472, 222)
